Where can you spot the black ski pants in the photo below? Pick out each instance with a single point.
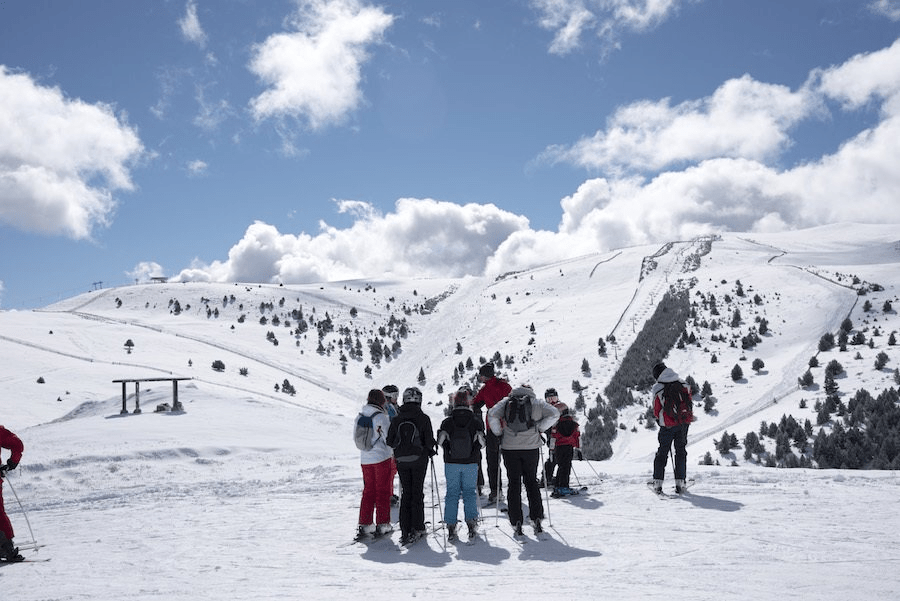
(521, 468)
(563, 455)
(492, 452)
(678, 435)
(412, 495)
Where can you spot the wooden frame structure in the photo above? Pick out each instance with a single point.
(176, 404)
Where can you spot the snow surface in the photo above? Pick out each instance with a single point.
(253, 494)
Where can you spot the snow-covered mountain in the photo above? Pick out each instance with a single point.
(251, 492)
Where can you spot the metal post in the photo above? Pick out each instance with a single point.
(137, 396)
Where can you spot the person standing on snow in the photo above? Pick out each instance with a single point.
(392, 393)
(376, 469)
(493, 389)
(13, 444)
(461, 435)
(547, 478)
(412, 438)
(673, 410)
(519, 420)
(566, 442)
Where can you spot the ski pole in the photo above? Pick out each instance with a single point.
(672, 457)
(593, 470)
(22, 507)
(497, 496)
(546, 486)
(574, 473)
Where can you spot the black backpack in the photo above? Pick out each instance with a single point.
(409, 441)
(518, 413)
(677, 403)
(461, 443)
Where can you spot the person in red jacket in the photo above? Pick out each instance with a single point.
(492, 391)
(11, 442)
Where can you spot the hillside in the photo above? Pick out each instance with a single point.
(251, 492)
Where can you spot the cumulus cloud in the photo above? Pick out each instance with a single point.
(569, 20)
(743, 118)
(145, 270)
(61, 159)
(674, 172)
(190, 26)
(313, 72)
(421, 237)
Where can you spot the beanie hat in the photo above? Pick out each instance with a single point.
(658, 369)
(412, 395)
(487, 370)
(376, 397)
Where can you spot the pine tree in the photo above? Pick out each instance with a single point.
(736, 372)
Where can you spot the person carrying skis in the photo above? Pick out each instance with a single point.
(461, 435)
(376, 469)
(493, 389)
(13, 444)
(391, 394)
(673, 410)
(412, 438)
(519, 420)
(566, 440)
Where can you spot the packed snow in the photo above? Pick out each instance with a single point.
(251, 493)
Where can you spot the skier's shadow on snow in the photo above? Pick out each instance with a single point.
(713, 503)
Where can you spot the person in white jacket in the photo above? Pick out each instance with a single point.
(520, 445)
(376, 469)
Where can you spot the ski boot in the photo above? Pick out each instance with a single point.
(473, 528)
(451, 532)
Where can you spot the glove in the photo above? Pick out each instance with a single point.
(578, 455)
(11, 465)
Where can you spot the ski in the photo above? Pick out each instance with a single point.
(571, 493)
(26, 560)
(368, 539)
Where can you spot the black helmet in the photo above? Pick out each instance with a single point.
(412, 395)
(487, 370)
(550, 392)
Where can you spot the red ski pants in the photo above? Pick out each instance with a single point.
(376, 497)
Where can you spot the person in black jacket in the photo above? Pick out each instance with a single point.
(412, 438)
(461, 436)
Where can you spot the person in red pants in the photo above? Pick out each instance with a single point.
(11, 442)
(376, 470)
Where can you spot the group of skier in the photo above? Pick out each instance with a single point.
(516, 425)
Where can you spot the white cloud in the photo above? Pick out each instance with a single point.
(61, 159)
(569, 20)
(743, 118)
(420, 238)
(864, 78)
(887, 8)
(313, 72)
(190, 25)
(197, 167)
(145, 270)
(713, 166)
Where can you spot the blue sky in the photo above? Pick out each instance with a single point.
(299, 141)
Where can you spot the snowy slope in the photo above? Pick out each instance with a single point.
(252, 493)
